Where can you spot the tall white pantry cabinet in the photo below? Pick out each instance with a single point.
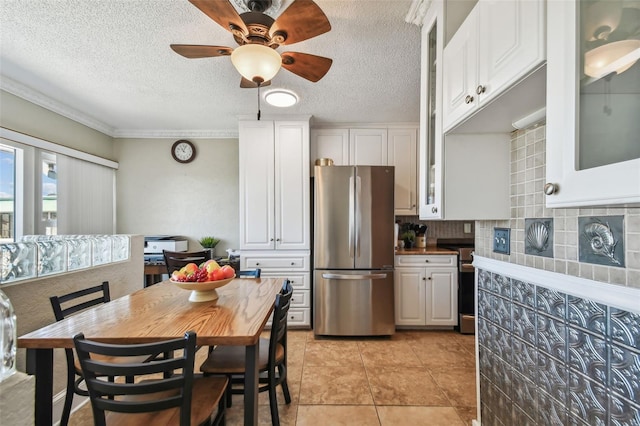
(275, 217)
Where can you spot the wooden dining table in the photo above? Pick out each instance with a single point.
(161, 312)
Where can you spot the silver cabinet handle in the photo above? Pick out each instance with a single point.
(354, 277)
(550, 188)
(480, 89)
(468, 99)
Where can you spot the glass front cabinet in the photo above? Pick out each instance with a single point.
(430, 172)
(593, 103)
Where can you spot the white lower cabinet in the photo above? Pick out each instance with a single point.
(291, 266)
(426, 290)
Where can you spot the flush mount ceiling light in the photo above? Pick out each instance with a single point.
(281, 98)
(616, 57)
(256, 62)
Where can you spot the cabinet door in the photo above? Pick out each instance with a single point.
(292, 192)
(460, 61)
(330, 143)
(442, 297)
(592, 149)
(403, 156)
(368, 147)
(410, 296)
(511, 43)
(256, 181)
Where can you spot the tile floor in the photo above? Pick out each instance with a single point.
(412, 378)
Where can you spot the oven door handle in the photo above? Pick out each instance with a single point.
(467, 267)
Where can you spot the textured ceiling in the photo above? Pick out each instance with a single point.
(108, 64)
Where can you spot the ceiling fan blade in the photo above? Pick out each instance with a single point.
(248, 84)
(311, 67)
(301, 21)
(222, 12)
(193, 51)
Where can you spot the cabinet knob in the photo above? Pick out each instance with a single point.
(550, 188)
(257, 263)
(434, 210)
(426, 260)
(424, 278)
(271, 239)
(429, 278)
(468, 99)
(480, 89)
(293, 263)
(277, 239)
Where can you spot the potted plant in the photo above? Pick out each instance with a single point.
(409, 238)
(209, 243)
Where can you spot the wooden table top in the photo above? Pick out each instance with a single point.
(162, 311)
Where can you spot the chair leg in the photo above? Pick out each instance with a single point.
(229, 393)
(284, 384)
(68, 398)
(273, 402)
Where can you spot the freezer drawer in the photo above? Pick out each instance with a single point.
(353, 303)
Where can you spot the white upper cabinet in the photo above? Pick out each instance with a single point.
(593, 105)
(274, 185)
(402, 155)
(330, 143)
(368, 147)
(498, 44)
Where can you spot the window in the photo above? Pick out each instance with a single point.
(7, 193)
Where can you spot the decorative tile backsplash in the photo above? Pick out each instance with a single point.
(547, 357)
(601, 240)
(527, 202)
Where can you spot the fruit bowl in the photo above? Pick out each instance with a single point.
(203, 291)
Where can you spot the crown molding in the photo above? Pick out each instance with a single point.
(417, 11)
(172, 134)
(9, 85)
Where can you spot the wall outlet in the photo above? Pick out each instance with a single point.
(501, 240)
(467, 228)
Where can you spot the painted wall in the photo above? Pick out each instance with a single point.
(25, 117)
(527, 201)
(158, 196)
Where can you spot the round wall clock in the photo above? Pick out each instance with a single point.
(183, 151)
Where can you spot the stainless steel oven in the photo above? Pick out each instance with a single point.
(466, 292)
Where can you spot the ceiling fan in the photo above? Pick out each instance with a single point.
(258, 35)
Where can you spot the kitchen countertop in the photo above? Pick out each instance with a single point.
(429, 250)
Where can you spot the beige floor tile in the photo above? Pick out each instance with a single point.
(286, 413)
(467, 414)
(380, 353)
(459, 384)
(335, 385)
(337, 415)
(404, 386)
(329, 353)
(436, 355)
(427, 416)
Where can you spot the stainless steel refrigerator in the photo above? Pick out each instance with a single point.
(353, 251)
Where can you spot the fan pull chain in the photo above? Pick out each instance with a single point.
(258, 101)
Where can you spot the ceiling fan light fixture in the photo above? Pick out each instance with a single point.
(256, 62)
(615, 57)
(281, 98)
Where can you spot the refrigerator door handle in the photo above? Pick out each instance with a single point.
(352, 208)
(354, 277)
(358, 219)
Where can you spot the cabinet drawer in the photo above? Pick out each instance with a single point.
(296, 318)
(430, 261)
(283, 263)
(299, 317)
(300, 299)
(298, 280)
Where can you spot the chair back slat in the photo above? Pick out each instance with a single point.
(175, 260)
(279, 322)
(250, 273)
(172, 388)
(61, 312)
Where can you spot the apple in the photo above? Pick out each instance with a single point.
(210, 265)
(228, 271)
(190, 268)
(217, 274)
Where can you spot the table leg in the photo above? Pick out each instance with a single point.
(251, 385)
(40, 363)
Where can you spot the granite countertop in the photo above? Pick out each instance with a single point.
(426, 250)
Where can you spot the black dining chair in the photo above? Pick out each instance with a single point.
(175, 260)
(171, 395)
(272, 358)
(249, 273)
(64, 306)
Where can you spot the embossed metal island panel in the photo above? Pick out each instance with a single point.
(551, 358)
